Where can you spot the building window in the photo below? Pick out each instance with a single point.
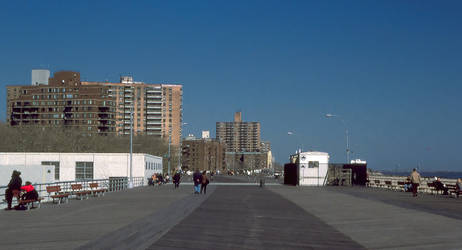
(83, 170)
(53, 163)
(313, 164)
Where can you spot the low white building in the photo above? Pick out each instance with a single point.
(82, 166)
(313, 168)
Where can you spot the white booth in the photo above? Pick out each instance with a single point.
(313, 168)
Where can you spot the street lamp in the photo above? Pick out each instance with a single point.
(130, 181)
(346, 135)
(299, 147)
(181, 144)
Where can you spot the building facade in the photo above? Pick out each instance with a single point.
(203, 154)
(101, 107)
(244, 148)
(63, 102)
(80, 166)
(239, 136)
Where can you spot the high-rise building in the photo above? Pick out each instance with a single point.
(157, 108)
(244, 149)
(100, 106)
(63, 102)
(239, 136)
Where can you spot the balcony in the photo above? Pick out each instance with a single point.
(152, 101)
(154, 128)
(154, 112)
(154, 123)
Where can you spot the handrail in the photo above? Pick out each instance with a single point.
(113, 184)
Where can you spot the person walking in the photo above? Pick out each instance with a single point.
(415, 182)
(197, 178)
(204, 182)
(15, 184)
(176, 179)
(458, 187)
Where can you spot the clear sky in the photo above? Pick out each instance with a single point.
(391, 69)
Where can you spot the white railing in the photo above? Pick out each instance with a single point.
(112, 184)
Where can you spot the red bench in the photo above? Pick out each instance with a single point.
(79, 192)
(29, 203)
(95, 190)
(57, 194)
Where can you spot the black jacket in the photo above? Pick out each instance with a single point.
(197, 178)
(15, 183)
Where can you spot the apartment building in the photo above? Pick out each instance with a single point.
(239, 136)
(62, 102)
(156, 108)
(244, 148)
(203, 154)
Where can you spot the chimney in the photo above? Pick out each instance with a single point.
(237, 117)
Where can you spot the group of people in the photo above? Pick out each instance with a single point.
(26, 192)
(200, 182)
(159, 179)
(413, 182)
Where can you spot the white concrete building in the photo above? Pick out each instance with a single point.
(83, 166)
(313, 168)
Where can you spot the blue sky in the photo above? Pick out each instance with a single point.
(390, 69)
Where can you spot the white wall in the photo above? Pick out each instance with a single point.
(32, 173)
(313, 176)
(105, 165)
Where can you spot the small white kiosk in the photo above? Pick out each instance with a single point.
(313, 168)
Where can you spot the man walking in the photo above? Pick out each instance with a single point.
(197, 178)
(176, 179)
(415, 180)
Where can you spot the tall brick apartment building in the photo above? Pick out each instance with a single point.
(100, 107)
(244, 148)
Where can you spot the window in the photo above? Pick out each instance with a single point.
(53, 163)
(83, 170)
(313, 164)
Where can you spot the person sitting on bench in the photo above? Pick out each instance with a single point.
(29, 192)
(458, 186)
(440, 186)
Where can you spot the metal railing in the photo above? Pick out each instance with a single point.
(112, 184)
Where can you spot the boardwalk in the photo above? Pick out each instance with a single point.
(240, 217)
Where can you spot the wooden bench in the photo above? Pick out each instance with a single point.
(95, 190)
(28, 203)
(431, 187)
(79, 192)
(57, 194)
(401, 185)
(453, 191)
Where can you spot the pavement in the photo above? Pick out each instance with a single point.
(240, 217)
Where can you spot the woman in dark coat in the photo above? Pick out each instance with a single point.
(204, 182)
(15, 184)
(176, 179)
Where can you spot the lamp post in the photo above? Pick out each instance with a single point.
(291, 133)
(181, 144)
(346, 135)
(168, 159)
(130, 181)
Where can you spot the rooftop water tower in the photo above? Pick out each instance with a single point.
(40, 77)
